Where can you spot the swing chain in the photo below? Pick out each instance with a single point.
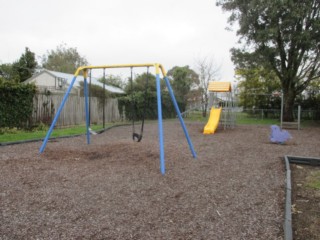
(136, 136)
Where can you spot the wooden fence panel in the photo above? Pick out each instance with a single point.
(73, 112)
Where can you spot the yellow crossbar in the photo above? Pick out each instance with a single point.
(157, 66)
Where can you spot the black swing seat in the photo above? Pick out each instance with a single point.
(136, 137)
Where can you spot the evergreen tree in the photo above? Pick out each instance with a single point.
(26, 65)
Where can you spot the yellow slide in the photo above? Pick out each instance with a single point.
(213, 122)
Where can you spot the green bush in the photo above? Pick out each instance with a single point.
(42, 127)
(8, 130)
(136, 106)
(16, 104)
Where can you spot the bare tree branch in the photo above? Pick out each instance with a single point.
(208, 71)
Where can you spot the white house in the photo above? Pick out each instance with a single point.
(58, 82)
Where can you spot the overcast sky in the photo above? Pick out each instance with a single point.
(170, 32)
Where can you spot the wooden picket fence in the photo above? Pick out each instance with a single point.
(73, 112)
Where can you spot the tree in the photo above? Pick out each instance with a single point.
(113, 80)
(311, 98)
(26, 65)
(182, 79)
(282, 36)
(313, 91)
(9, 73)
(136, 98)
(20, 70)
(63, 59)
(208, 71)
(256, 88)
(95, 90)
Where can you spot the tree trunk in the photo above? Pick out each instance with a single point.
(205, 101)
(288, 108)
(204, 110)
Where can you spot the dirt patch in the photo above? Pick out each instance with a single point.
(306, 201)
(113, 189)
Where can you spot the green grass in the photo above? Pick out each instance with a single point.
(196, 116)
(313, 181)
(245, 119)
(241, 119)
(19, 135)
(253, 121)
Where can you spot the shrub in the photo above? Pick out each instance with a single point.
(16, 104)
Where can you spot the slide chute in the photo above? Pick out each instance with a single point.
(213, 121)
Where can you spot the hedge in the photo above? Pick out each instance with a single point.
(16, 104)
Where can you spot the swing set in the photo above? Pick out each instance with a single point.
(135, 136)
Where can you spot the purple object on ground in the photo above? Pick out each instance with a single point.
(278, 135)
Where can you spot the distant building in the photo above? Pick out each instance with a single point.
(58, 82)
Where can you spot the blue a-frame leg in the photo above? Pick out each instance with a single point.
(160, 128)
(65, 98)
(87, 109)
(44, 143)
(180, 117)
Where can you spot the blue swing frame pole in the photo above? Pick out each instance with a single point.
(86, 106)
(160, 128)
(179, 116)
(43, 146)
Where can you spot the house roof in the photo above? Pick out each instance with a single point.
(219, 86)
(80, 78)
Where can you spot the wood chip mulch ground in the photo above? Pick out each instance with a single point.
(113, 189)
